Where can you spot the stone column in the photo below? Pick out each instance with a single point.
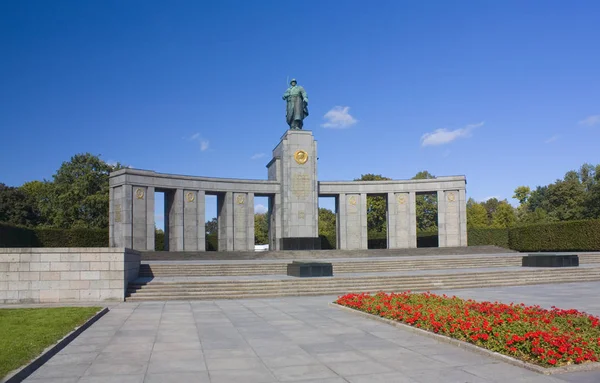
(462, 208)
(450, 217)
(193, 221)
(363, 222)
(399, 225)
(225, 221)
(340, 221)
(412, 220)
(143, 218)
(174, 219)
(243, 221)
(120, 216)
(274, 221)
(150, 224)
(353, 229)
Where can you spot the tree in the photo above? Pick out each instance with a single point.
(78, 196)
(212, 227)
(522, 193)
(427, 208)
(504, 215)
(327, 221)
(376, 206)
(490, 206)
(261, 229)
(476, 215)
(15, 207)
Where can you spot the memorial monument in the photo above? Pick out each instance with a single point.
(293, 191)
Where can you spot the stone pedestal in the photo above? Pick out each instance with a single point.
(294, 165)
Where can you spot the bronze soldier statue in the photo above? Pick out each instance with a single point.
(297, 105)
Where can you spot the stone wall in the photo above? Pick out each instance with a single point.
(51, 275)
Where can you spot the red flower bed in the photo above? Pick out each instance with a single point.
(530, 333)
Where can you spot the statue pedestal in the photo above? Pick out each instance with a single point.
(294, 213)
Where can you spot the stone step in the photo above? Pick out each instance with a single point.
(148, 270)
(359, 286)
(312, 254)
(182, 295)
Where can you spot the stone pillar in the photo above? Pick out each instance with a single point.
(150, 224)
(274, 221)
(450, 219)
(143, 218)
(194, 232)
(340, 221)
(225, 221)
(120, 216)
(340, 217)
(462, 208)
(243, 221)
(364, 233)
(399, 224)
(295, 166)
(353, 221)
(412, 220)
(174, 219)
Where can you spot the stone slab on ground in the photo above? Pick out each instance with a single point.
(286, 340)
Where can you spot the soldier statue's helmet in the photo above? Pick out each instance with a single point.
(293, 80)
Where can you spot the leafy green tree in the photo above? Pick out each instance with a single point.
(80, 196)
(212, 227)
(522, 193)
(15, 207)
(476, 215)
(504, 215)
(261, 229)
(490, 207)
(376, 206)
(327, 221)
(426, 209)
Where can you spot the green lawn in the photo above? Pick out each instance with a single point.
(25, 333)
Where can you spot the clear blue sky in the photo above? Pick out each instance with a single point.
(504, 92)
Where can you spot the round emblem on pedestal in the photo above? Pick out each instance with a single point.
(352, 200)
(401, 199)
(240, 199)
(301, 157)
(190, 197)
(451, 197)
(139, 193)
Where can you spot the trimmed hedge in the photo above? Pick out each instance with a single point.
(557, 236)
(17, 236)
(488, 236)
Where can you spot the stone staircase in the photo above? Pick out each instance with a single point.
(317, 254)
(214, 280)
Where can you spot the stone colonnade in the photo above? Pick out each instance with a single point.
(293, 191)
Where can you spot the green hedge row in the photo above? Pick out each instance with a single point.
(488, 236)
(557, 236)
(16, 236)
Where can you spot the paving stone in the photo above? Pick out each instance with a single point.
(178, 377)
(395, 377)
(113, 379)
(294, 373)
(359, 367)
(258, 375)
(233, 363)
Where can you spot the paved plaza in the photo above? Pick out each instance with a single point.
(296, 339)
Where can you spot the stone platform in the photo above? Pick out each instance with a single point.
(289, 339)
(227, 279)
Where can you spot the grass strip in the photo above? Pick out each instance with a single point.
(25, 333)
